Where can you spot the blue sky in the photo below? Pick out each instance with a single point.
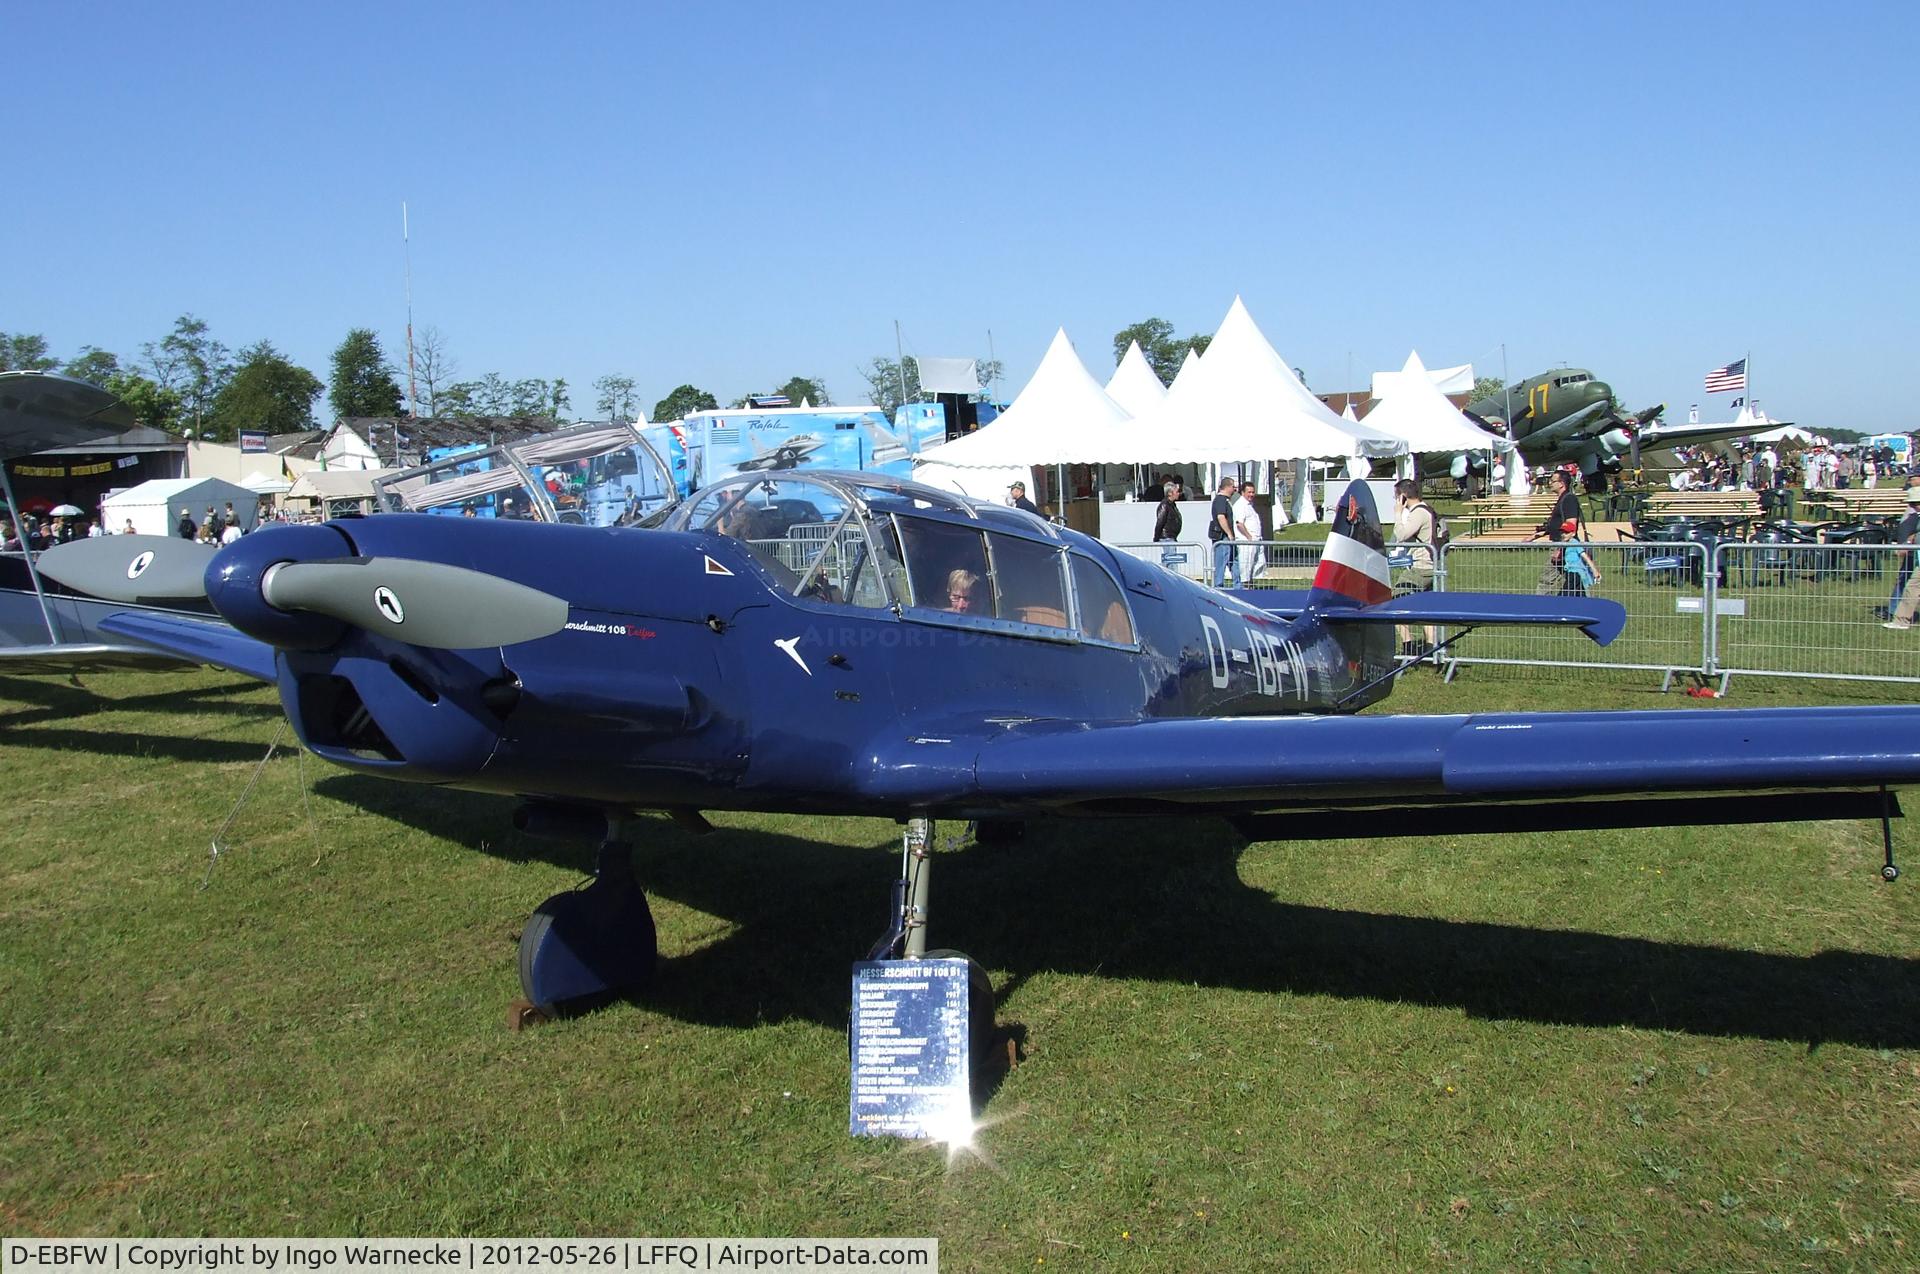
(728, 195)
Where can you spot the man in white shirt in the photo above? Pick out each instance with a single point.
(1246, 526)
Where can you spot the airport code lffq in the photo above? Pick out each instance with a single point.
(500, 1256)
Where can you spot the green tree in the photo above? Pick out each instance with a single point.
(884, 379)
(95, 366)
(434, 369)
(683, 402)
(802, 389)
(989, 370)
(1163, 352)
(266, 392)
(618, 399)
(1487, 387)
(798, 389)
(363, 383)
(152, 404)
(192, 364)
(558, 398)
(23, 353)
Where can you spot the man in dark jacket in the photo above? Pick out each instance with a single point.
(186, 530)
(1166, 519)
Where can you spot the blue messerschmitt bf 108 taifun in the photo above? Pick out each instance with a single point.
(834, 643)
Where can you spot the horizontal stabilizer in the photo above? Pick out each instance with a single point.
(198, 641)
(1597, 617)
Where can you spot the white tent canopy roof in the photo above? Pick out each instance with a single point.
(1448, 380)
(1062, 416)
(1243, 402)
(337, 484)
(1413, 409)
(1134, 385)
(1187, 364)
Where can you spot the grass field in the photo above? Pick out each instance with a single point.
(1687, 1049)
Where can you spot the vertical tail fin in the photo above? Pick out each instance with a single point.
(1353, 566)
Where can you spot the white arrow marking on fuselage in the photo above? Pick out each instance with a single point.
(787, 644)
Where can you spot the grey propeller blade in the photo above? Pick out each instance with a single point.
(130, 568)
(423, 603)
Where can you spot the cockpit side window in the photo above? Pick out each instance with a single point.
(947, 567)
(786, 526)
(1027, 581)
(1103, 608)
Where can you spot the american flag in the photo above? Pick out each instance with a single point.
(1732, 376)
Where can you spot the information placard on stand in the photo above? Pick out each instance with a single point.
(910, 1049)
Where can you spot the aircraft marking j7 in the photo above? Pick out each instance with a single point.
(1565, 416)
(839, 643)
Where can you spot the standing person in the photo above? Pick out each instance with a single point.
(1246, 527)
(94, 530)
(230, 517)
(1017, 498)
(213, 525)
(1166, 518)
(1566, 508)
(1220, 532)
(230, 534)
(1580, 574)
(1413, 524)
(186, 529)
(1908, 532)
(128, 529)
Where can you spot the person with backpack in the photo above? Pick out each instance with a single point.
(1578, 573)
(1415, 524)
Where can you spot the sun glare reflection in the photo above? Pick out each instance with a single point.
(959, 1136)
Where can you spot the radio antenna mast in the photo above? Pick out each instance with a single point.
(406, 250)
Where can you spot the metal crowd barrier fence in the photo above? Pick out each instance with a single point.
(1811, 610)
(1712, 610)
(1663, 587)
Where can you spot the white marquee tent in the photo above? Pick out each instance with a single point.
(1243, 402)
(1134, 385)
(1062, 416)
(154, 506)
(1412, 409)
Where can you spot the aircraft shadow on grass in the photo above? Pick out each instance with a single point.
(48, 702)
(1162, 900)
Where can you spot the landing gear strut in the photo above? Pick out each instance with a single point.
(906, 936)
(586, 945)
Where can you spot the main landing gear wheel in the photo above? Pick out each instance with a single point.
(584, 946)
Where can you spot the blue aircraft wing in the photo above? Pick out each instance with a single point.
(197, 641)
(1269, 762)
(71, 657)
(1598, 617)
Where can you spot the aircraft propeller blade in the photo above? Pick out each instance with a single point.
(130, 568)
(423, 603)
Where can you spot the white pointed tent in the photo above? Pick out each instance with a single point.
(1187, 364)
(1448, 380)
(1243, 402)
(1062, 416)
(1134, 385)
(1412, 409)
